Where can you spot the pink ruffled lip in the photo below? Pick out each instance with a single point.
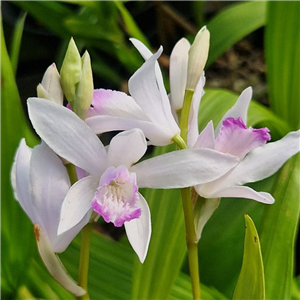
(235, 138)
(116, 197)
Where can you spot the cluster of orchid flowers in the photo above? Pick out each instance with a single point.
(215, 163)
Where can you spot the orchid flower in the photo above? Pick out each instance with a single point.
(182, 58)
(111, 188)
(40, 182)
(258, 160)
(147, 108)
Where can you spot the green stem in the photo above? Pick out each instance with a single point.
(84, 260)
(185, 112)
(191, 241)
(86, 235)
(187, 204)
(71, 172)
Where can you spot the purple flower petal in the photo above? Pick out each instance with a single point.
(235, 138)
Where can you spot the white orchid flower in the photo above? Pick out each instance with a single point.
(258, 160)
(40, 183)
(147, 108)
(179, 60)
(111, 189)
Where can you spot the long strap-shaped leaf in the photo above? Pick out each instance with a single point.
(13, 128)
(251, 284)
(282, 43)
(278, 232)
(232, 24)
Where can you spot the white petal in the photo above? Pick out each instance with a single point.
(146, 53)
(244, 192)
(63, 240)
(264, 161)
(22, 183)
(239, 109)
(143, 87)
(157, 135)
(13, 172)
(206, 139)
(116, 104)
(178, 72)
(193, 117)
(51, 84)
(54, 265)
(127, 148)
(139, 230)
(203, 211)
(50, 183)
(77, 203)
(66, 134)
(183, 168)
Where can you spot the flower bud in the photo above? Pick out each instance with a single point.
(85, 89)
(50, 87)
(198, 54)
(178, 72)
(71, 71)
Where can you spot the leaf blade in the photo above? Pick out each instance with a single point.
(251, 283)
(278, 245)
(236, 22)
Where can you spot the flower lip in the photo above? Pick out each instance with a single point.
(235, 138)
(116, 197)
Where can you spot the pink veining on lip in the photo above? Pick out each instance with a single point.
(116, 197)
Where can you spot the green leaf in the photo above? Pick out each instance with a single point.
(234, 23)
(279, 230)
(50, 13)
(251, 283)
(41, 284)
(182, 290)
(296, 289)
(131, 26)
(17, 243)
(16, 42)
(282, 43)
(221, 244)
(112, 267)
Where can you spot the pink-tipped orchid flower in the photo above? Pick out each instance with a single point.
(111, 188)
(258, 159)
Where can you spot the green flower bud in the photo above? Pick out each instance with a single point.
(71, 71)
(85, 88)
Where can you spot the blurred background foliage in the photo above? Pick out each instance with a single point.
(252, 43)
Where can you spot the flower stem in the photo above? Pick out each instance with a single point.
(191, 238)
(84, 259)
(191, 241)
(71, 172)
(185, 112)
